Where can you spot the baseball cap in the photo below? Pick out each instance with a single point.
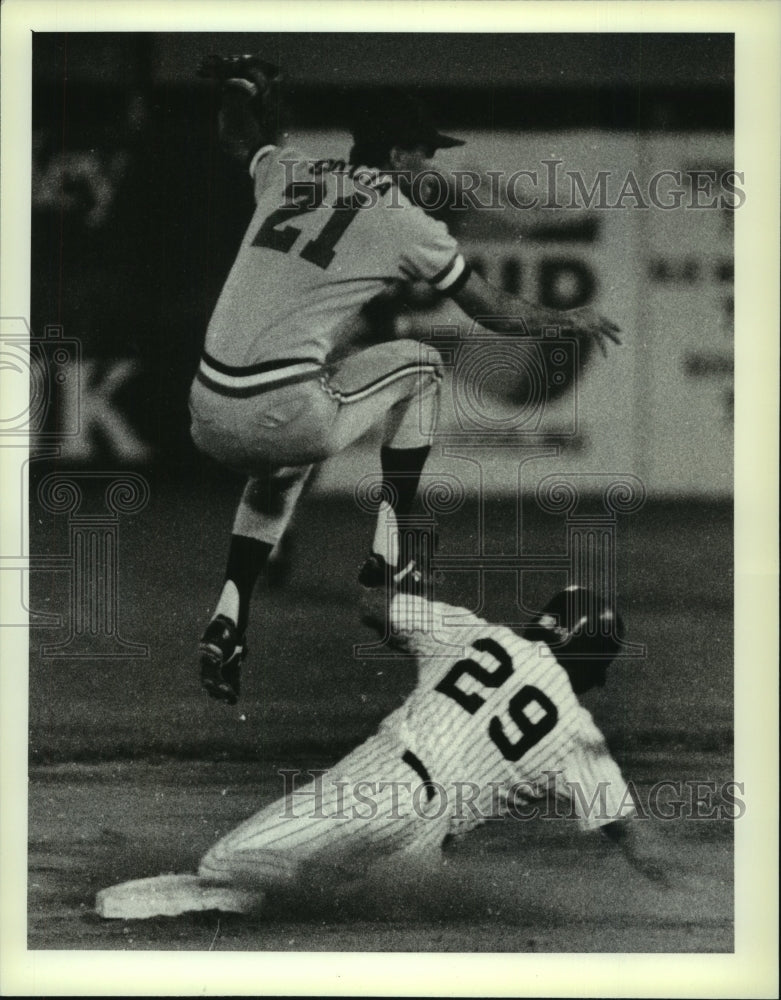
(395, 118)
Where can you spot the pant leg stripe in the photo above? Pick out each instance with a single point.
(419, 768)
(381, 383)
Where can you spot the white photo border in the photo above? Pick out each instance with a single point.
(751, 970)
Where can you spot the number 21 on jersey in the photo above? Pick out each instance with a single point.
(531, 732)
(302, 197)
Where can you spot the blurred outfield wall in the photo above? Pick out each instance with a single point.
(660, 406)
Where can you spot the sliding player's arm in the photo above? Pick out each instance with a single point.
(407, 622)
(601, 799)
(641, 847)
(429, 630)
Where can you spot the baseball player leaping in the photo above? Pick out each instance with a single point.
(269, 398)
(494, 723)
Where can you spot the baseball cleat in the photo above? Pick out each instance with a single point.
(376, 572)
(411, 579)
(220, 653)
(171, 896)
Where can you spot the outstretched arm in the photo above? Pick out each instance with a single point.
(501, 312)
(402, 618)
(249, 111)
(641, 848)
(241, 134)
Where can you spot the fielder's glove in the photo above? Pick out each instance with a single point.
(223, 683)
(250, 72)
(242, 134)
(586, 321)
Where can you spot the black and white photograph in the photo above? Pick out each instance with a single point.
(389, 458)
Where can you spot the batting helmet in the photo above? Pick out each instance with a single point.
(582, 629)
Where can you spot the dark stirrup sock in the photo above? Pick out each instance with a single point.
(401, 469)
(246, 559)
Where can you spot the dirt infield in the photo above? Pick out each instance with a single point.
(134, 772)
(512, 886)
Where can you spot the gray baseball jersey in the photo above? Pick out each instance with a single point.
(324, 240)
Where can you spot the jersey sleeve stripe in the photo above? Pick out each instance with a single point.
(460, 281)
(450, 274)
(257, 158)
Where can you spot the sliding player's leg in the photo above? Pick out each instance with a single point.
(370, 806)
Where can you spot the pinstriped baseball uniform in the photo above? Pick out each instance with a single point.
(492, 714)
(492, 707)
(322, 243)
